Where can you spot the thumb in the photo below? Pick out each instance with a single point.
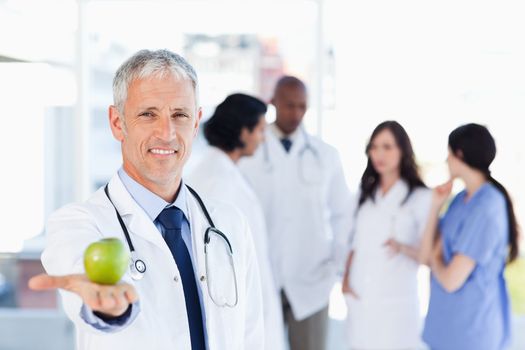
(46, 282)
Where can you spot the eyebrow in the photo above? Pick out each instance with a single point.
(177, 109)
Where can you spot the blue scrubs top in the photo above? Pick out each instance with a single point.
(477, 316)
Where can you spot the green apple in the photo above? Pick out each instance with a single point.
(106, 261)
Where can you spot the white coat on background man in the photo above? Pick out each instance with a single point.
(300, 183)
(156, 117)
(307, 208)
(217, 176)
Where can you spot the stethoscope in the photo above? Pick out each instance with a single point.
(315, 176)
(137, 266)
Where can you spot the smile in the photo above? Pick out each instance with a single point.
(162, 151)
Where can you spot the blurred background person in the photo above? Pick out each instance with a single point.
(300, 182)
(380, 279)
(234, 131)
(469, 303)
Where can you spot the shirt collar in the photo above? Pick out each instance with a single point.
(397, 193)
(279, 134)
(149, 201)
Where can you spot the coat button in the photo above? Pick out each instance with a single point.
(203, 278)
(176, 278)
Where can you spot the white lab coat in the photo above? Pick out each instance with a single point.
(216, 176)
(386, 315)
(162, 322)
(308, 223)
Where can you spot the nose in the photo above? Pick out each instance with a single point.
(298, 114)
(165, 128)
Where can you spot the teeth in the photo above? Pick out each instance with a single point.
(162, 151)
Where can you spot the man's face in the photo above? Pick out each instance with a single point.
(290, 105)
(157, 129)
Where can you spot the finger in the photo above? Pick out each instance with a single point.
(121, 300)
(90, 297)
(350, 292)
(447, 183)
(46, 282)
(107, 298)
(130, 293)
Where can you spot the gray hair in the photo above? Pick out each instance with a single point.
(146, 63)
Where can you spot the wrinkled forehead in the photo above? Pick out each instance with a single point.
(156, 92)
(143, 81)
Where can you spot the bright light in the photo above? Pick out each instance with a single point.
(22, 154)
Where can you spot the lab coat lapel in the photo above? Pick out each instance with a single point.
(198, 227)
(298, 143)
(394, 197)
(136, 220)
(275, 148)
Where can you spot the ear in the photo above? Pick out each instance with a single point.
(243, 137)
(459, 154)
(115, 123)
(197, 122)
(244, 134)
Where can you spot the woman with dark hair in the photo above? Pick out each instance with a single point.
(234, 131)
(381, 272)
(476, 237)
(237, 126)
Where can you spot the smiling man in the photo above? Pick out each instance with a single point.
(184, 297)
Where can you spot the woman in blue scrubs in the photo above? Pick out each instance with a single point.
(477, 236)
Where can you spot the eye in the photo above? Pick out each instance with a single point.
(180, 115)
(147, 114)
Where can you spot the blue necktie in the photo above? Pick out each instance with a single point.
(287, 144)
(171, 219)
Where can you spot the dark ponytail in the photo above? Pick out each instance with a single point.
(513, 222)
(478, 150)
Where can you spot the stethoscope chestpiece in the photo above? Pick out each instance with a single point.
(137, 268)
